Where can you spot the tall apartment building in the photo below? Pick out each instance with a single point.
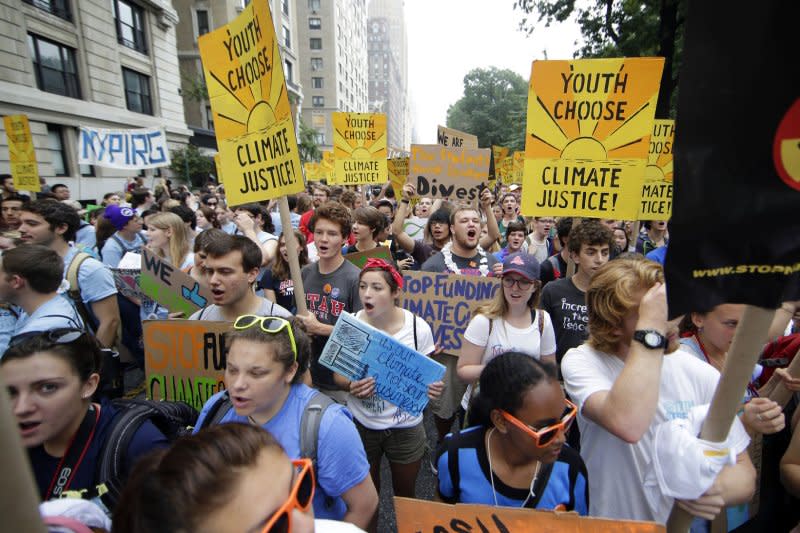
(387, 45)
(198, 17)
(333, 53)
(99, 63)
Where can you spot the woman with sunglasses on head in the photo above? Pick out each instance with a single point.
(516, 454)
(510, 322)
(267, 358)
(385, 428)
(51, 379)
(233, 478)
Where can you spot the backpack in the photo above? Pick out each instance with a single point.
(309, 423)
(173, 419)
(777, 354)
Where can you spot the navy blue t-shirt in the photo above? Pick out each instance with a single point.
(146, 439)
(561, 485)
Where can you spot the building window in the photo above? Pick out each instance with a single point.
(130, 25)
(318, 101)
(209, 118)
(285, 7)
(287, 37)
(313, 5)
(319, 137)
(55, 67)
(314, 23)
(55, 142)
(316, 63)
(202, 22)
(59, 8)
(316, 83)
(289, 71)
(137, 91)
(315, 43)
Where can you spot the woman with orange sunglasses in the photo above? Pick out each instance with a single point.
(516, 455)
(228, 478)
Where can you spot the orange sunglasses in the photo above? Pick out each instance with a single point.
(300, 497)
(545, 436)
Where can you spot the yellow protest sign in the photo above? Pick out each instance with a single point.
(21, 154)
(507, 170)
(455, 138)
(398, 173)
(657, 189)
(588, 133)
(499, 153)
(218, 168)
(252, 116)
(517, 167)
(359, 148)
(311, 170)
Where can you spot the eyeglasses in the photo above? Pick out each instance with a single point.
(53, 336)
(300, 497)
(269, 324)
(522, 283)
(545, 435)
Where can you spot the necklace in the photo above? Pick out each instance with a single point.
(531, 494)
(447, 255)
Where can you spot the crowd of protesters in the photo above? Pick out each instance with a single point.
(577, 331)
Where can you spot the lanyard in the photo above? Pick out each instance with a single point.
(74, 455)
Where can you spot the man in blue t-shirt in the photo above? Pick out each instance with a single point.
(54, 225)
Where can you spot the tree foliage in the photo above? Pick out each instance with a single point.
(307, 144)
(493, 108)
(191, 165)
(621, 28)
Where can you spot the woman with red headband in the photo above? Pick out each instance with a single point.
(386, 429)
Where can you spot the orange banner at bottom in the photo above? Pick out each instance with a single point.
(421, 516)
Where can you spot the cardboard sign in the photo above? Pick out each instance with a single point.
(359, 259)
(588, 134)
(736, 168)
(421, 516)
(455, 138)
(123, 149)
(128, 283)
(445, 302)
(448, 173)
(359, 148)
(184, 360)
(657, 189)
(398, 174)
(175, 290)
(356, 350)
(21, 154)
(252, 116)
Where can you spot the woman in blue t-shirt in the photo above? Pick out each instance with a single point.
(51, 379)
(517, 454)
(267, 359)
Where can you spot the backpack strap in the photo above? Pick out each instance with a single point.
(217, 411)
(452, 463)
(310, 423)
(74, 290)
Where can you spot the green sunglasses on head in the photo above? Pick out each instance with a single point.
(268, 324)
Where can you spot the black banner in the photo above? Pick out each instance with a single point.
(735, 229)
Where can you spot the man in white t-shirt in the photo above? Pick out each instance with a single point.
(628, 378)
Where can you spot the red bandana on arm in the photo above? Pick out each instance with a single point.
(374, 262)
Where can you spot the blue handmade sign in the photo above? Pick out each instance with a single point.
(356, 350)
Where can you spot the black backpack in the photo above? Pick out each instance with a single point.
(173, 419)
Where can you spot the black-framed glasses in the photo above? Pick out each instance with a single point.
(522, 283)
(268, 324)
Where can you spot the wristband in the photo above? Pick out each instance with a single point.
(404, 201)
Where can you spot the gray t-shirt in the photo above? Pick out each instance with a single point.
(566, 305)
(267, 308)
(327, 295)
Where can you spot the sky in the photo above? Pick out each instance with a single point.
(448, 38)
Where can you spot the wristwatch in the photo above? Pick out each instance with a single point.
(651, 338)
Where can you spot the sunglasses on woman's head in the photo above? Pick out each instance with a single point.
(300, 497)
(268, 324)
(545, 435)
(53, 336)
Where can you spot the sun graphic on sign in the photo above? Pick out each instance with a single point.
(660, 154)
(244, 74)
(591, 110)
(346, 145)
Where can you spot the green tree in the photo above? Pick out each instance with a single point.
(191, 165)
(621, 28)
(307, 144)
(493, 107)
